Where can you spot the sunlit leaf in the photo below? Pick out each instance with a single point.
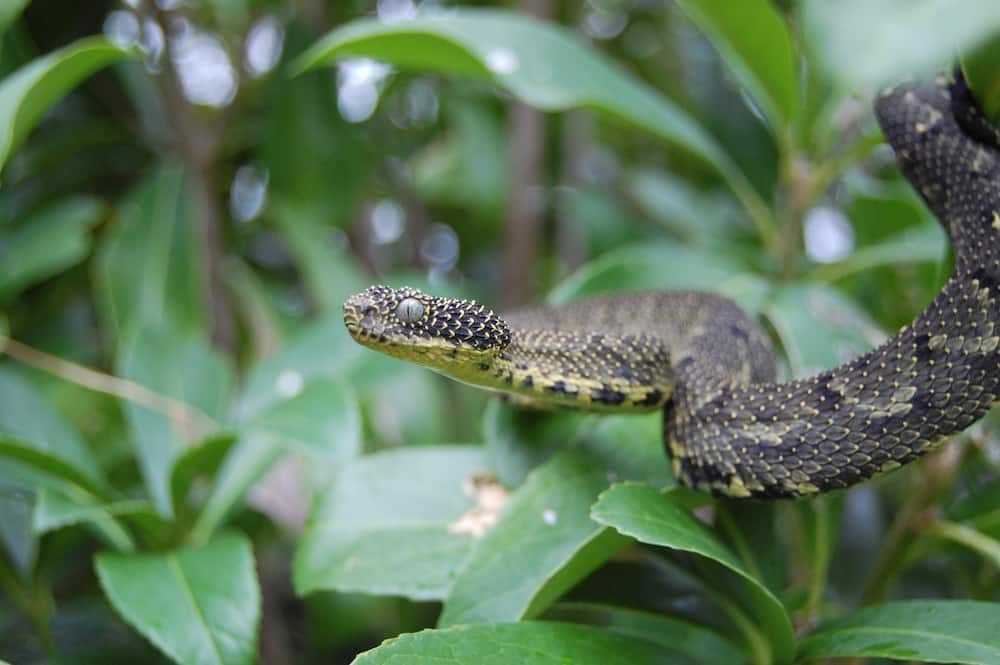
(531, 643)
(27, 93)
(188, 371)
(46, 243)
(31, 431)
(383, 523)
(150, 269)
(700, 644)
(9, 11)
(819, 327)
(643, 513)
(508, 577)
(871, 43)
(923, 631)
(199, 605)
(982, 71)
(754, 40)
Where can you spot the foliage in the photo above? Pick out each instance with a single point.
(190, 444)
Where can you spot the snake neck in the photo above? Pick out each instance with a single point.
(889, 406)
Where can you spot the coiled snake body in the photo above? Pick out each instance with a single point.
(729, 427)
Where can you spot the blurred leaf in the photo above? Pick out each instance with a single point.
(523, 55)
(697, 642)
(531, 643)
(926, 242)
(199, 605)
(921, 631)
(201, 461)
(630, 447)
(187, 370)
(754, 41)
(643, 513)
(867, 44)
(27, 93)
(47, 243)
(750, 529)
(662, 266)
(30, 431)
(58, 509)
(382, 524)
(324, 418)
(960, 534)
(243, 465)
(150, 269)
(982, 71)
(322, 350)
(508, 577)
(10, 10)
(542, 64)
(819, 328)
(330, 273)
(18, 541)
(452, 170)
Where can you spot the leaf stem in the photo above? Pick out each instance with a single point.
(192, 422)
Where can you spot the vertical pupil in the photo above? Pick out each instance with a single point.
(410, 310)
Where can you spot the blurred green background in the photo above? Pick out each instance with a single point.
(179, 231)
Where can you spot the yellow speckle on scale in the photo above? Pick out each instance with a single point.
(996, 220)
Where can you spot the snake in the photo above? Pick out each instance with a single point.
(729, 427)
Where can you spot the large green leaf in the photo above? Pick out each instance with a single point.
(46, 243)
(56, 509)
(871, 43)
(187, 370)
(541, 64)
(754, 41)
(982, 71)
(662, 266)
(819, 327)
(700, 644)
(150, 270)
(31, 431)
(27, 93)
(199, 605)
(382, 525)
(543, 544)
(923, 631)
(643, 513)
(9, 11)
(531, 643)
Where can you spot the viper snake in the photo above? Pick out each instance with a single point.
(729, 427)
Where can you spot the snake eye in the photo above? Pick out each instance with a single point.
(409, 310)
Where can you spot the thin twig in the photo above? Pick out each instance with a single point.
(193, 423)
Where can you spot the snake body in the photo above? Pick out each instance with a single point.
(729, 427)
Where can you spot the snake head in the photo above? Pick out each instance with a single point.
(443, 333)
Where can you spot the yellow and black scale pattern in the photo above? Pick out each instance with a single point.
(729, 427)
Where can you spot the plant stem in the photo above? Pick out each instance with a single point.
(192, 422)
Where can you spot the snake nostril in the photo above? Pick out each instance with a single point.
(369, 311)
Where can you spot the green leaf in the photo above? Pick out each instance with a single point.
(696, 642)
(923, 243)
(867, 44)
(322, 350)
(19, 543)
(924, 631)
(509, 577)
(201, 461)
(523, 55)
(30, 431)
(46, 243)
(58, 509)
(754, 41)
(541, 64)
(186, 370)
(662, 266)
(982, 71)
(819, 327)
(245, 463)
(9, 11)
(27, 93)
(324, 419)
(531, 643)
(985, 546)
(199, 605)
(382, 524)
(150, 270)
(641, 512)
